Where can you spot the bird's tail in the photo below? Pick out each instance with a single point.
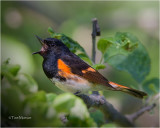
(128, 90)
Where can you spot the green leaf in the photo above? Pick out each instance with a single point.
(27, 83)
(79, 109)
(110, 125)
(85, 58)
(6, 61)
(79, 115)
(50, 30)
(104, 43)
(98, 117)
(76, 122)
(43, 114)
(13, 69)
(151, 86)
(75, 107)
(13, 98)
(73, 46)
(128, 54)
(36, 97)
(99, 66)
(9, 71)
(64, 102)
(82, 55)
(10, 78)
(50, 97)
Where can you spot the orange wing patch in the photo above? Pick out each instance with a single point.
(116, 85)
(88, 69)
(64, 69)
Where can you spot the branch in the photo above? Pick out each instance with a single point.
(137, 114)
(98, 101)
(109, 111)
(95, 32)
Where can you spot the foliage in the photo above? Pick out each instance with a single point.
(99, 66)
(125, 52)
(151, 86)
(21, 97)
(110, 125)
(98, 117)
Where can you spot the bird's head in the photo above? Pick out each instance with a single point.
(51, 46)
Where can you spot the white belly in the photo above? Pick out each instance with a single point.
(73, 85)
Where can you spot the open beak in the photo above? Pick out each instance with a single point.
(36, 52)
(40, 40)
(42, 43)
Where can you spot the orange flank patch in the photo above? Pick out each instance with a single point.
(116, 85)
(88, 69)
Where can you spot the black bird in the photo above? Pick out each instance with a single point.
(72, 74)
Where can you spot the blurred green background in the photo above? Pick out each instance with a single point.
(21, 21)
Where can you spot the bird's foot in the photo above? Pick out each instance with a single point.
(99, 99)
(77, 93)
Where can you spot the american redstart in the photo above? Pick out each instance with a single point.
(72, 74)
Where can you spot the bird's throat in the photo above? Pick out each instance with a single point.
(50, 66)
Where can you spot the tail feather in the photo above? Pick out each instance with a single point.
(128, 90)
(134, 92)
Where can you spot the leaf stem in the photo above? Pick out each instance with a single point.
(101, 59)
(113, 56)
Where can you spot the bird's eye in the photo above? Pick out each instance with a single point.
(52, 44)
(49, 43)
(45, 41)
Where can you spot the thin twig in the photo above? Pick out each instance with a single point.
(137, 114)
(95, 32)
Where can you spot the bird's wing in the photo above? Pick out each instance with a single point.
(73, 64)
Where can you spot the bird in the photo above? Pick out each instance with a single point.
(71, 74)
